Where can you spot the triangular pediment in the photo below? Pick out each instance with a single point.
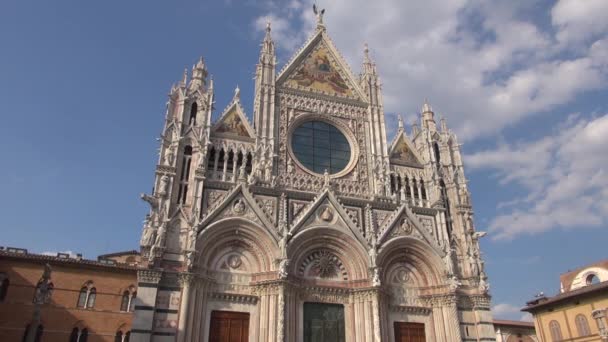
(403, 152)
(233, 123)
(405, 223)
(239, 203)
(319, 68)
(326, 210)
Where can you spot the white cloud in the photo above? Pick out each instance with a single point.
(565, 174)
(509, 311)
(578, 20)
(482, 64)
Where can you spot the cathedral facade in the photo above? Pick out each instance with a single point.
(307, 224)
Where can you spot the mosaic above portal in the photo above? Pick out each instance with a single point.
(319, 72)
(403, 153)
(232, 124)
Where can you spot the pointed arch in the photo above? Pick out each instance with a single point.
(193, 112)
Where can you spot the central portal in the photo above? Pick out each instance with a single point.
(323, 322)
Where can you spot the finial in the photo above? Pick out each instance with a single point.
(426, 107)
(319, 15)
(237, 92)
(268, 26)
(185, 78)
(444, 125)
(400, 120)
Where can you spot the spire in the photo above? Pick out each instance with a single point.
(369, 68)
(267, 46)
(199, 74)
(426, 107)
(415, 128)
(443, 124)
(428, 117)
(184, 78)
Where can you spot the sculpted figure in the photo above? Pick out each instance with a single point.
(283, 265)
(376, 277)
(474, 265)
(319, 14)
(192, 239)
(147, 237)
(448, 261)
(163, 187)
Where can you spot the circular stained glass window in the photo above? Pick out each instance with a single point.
(320, 146)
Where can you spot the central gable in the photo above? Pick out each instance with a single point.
(318, 68)
(402, 152)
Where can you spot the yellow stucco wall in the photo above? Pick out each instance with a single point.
(565, 313)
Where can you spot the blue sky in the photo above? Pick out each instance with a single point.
(524, 85)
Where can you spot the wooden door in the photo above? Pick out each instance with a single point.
(229, 327)
(409, 332)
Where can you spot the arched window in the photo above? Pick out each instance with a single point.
(422, 190)
(82, 297)
(248, 165)
(86, 297)
(556, 331)
(4, 283)
(437, 154)
(231, 161)
(84, 334)
(193, 111)
(185, 175)
(37, 337)
(408, 190)
(211, 160)
(126, 303)
(74, 335)
(582, 326)
(91, 299)
(592, 279)
(120, 337)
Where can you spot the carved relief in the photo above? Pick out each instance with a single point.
(323, 264)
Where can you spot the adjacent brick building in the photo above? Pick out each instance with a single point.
(91, 300)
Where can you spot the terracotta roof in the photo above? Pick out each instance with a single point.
(109, 255)
(522, 324)
(24, 255)
(589, 289)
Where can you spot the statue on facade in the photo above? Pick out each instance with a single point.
(454, 283)
(283, 272)
(319, 14)
(448, 260)
(147, 236)
(163, 188)
(192, 239)
(473, 264)
(376, 277)
(484, 286)
(169, 156)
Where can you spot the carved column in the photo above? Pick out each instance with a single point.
(452, 321)
(185, 280)
(235, 158)
(376, 314)
(145, 302)
(281, 314)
